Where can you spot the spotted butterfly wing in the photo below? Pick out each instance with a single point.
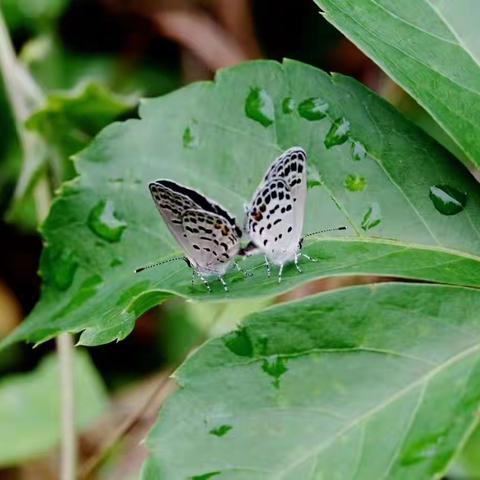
(275, 217)
(189, 216)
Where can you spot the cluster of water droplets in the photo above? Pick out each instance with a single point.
(260, 107)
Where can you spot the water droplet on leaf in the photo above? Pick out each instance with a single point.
(358, 151)
(116, 262)
(288, 105)
(104, 222)
(355, 183)
(372, 217)
(259, 107)
(239, 343)
(313, 177)
(205, 476)
(313, 109)
(424, 449)
(191, 136)
(221, 430)
(447, 200)
(59, 267)
(338, 133)
(275, 367)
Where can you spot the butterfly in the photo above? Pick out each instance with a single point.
(274, 219)
(207, 233)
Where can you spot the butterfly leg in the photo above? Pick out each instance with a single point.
(297, 256)
(205, 282)
(241, 270)
(269, 270)
(222, 281)
(300, 253)
(280, 273)
(308, 257)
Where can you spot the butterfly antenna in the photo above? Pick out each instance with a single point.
(141, 269)
(333, 229)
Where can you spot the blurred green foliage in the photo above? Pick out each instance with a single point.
(30, 407)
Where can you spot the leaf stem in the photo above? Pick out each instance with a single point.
(68, 454)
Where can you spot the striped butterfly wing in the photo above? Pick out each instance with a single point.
(180, 207)
(212, 243)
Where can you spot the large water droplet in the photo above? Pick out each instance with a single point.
(116, 262)
(355, 183)
(313, 109)
(288, 105)
(59, 267)
(359, 151)
(191, 136)
(221, 430)
(423, 449)
(275, 367)
(338, 133)
(239, 343)
(259, 107)
(313, 177)
(205, 476)
(104, 222)
(447, 200)
(372, 217)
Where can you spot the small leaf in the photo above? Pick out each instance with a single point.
(70, 119)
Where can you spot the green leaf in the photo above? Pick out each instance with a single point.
(394, 228)
(70, 120)
(468, 463)
(33, 15)
(429, 47)
(55, 66)
(30, 407)
(379, 381)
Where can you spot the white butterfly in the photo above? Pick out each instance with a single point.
(274, 219)
(206, 232)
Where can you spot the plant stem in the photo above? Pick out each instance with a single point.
(68, 453)
(154, 398)
(24, 96)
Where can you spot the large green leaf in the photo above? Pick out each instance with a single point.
(373, 382)
(429, 47)
(104, 223)
(30, 407)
